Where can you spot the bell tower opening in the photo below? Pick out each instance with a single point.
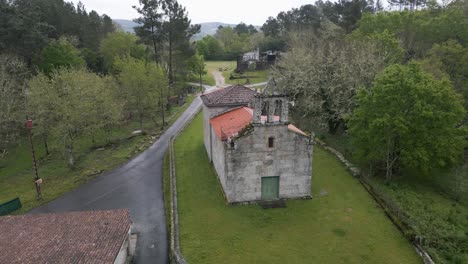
(271, 106)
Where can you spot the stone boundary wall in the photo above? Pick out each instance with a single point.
(357, 174)
(175, 252)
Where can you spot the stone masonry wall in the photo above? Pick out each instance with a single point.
(208, 113)
(251, 158)
(219, 158)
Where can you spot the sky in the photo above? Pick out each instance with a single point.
(253, 12)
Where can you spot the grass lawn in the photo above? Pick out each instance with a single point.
(429, 202)
(344, 226)
(259, 77)
(16, 177)
(211, 66)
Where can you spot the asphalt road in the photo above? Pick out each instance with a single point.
(136, 185)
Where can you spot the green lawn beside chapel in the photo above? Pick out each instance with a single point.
(343, 226)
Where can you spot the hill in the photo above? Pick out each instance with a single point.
(208, 28)
(127, 25)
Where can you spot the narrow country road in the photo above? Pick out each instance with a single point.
(136, 185)
(219, 79)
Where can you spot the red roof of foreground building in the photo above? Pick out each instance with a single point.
(229, 124)
(82, 237)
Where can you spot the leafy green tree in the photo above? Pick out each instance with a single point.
(70, 104)
(453, 59)
(151, 22)
(271, 27)
(178, 31)
(58, 54)
(22, 30)
(408, 120)
(94, 61)
(13, 73)
(198, 67)
(144, 88)
(120, 45)
(322, 75)
(42, 107)
(27, 26)
(232, 43)
(210, 48)
(419, 31)
(388, 45)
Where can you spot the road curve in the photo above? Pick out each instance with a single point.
(136, 185)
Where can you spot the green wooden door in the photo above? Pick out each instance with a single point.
(270, 188)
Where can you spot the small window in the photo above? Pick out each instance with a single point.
(233, 145)
(271, 142)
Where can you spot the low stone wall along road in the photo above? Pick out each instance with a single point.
(136, 185)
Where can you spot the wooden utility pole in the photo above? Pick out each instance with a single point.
(37, 180)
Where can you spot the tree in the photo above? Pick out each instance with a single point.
(27, 26)
(58, 54)
(210, 48)
(178, 31)
(42, 106)
(322, 75)
(143, 87)
(151, 21)
(198, 67)
(453, 60)
(13, 73)
(120, 45)
(70, 104)
(271, 27)
(165, 21)
(408, 120)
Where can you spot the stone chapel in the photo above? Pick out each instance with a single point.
(257, 154)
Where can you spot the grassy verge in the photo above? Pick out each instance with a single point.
(343, 225)
(259, 77)
(440, 221)
(16, 175)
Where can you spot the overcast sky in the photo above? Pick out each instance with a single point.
(228, 11)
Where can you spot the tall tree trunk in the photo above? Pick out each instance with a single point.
(201, 82)
(389, 162)
(141, 120)
(46, 145)
(71, 159)
(171, 77)
(162, 109)
(155, 46)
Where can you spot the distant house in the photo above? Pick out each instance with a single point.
(257, 154)
(81, 237)
(256, 60)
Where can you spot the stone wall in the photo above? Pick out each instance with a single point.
(250, 159)
(208, 135)
(219, 157)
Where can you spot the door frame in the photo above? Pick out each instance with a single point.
(277, 189)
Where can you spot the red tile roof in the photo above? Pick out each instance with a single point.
(229, 124)
(236, 95)
(232, 122)
(82, 237)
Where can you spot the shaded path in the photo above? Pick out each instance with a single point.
(136, 185)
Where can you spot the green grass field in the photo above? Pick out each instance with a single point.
(260, 76)
(428, 199)
(16, 177)
(344, 226)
